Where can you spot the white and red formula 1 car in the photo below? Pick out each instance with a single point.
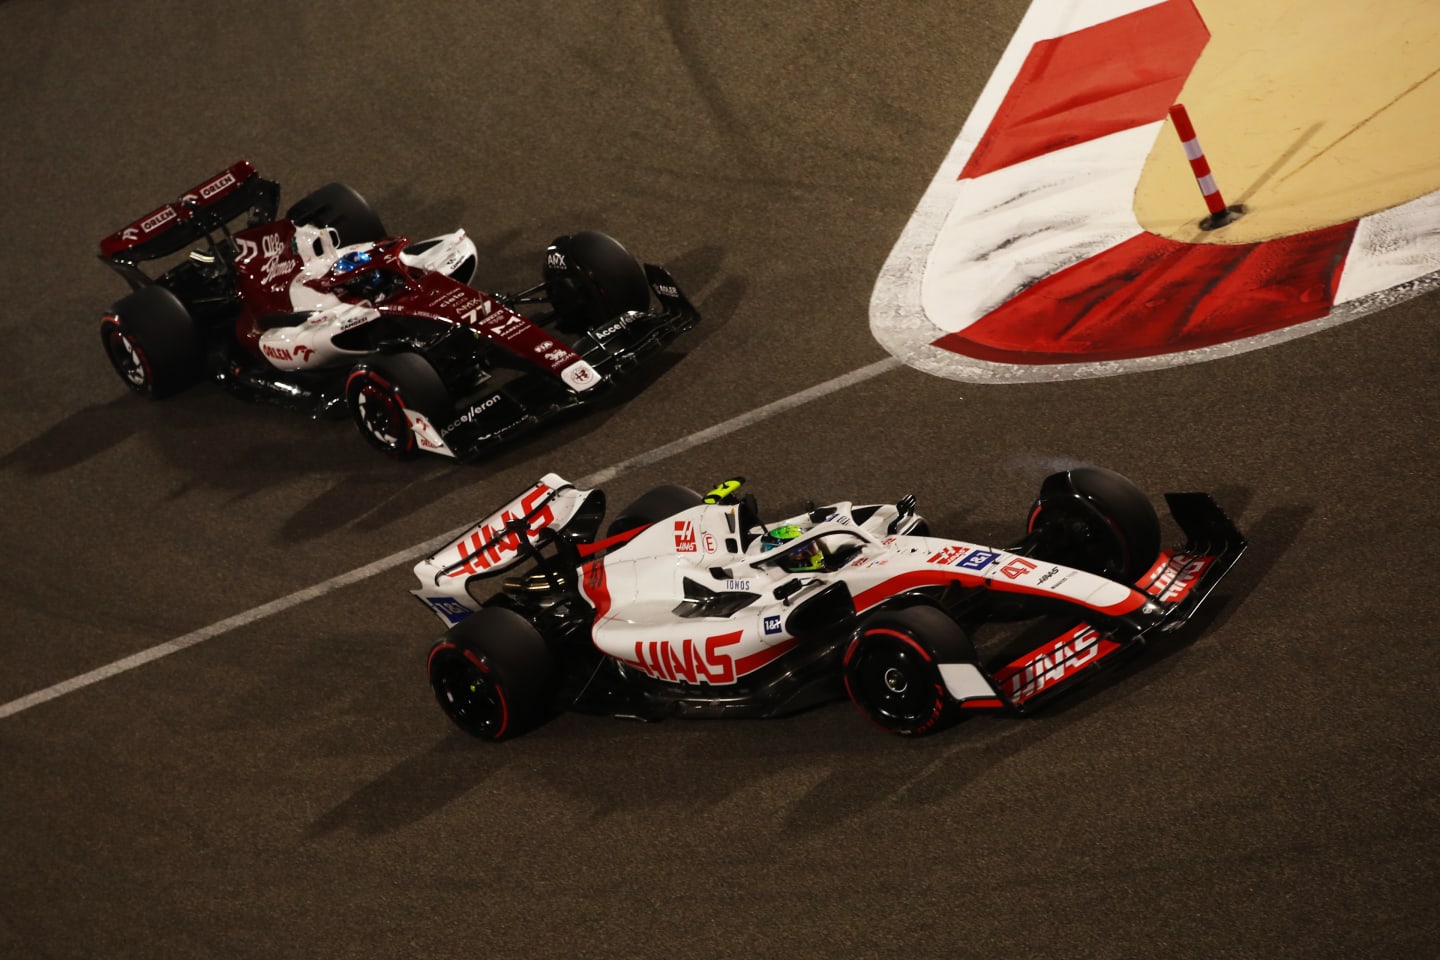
(690, 606)
(325, 311)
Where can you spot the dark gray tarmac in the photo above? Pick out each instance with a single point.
(1264, 787)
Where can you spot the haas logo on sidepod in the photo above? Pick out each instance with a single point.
(703, 661)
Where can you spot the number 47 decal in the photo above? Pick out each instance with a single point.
(1017, 568)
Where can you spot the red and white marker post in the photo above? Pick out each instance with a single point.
(1220, 214)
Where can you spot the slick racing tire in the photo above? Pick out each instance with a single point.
(339, 206)
(892, 674)
(381, 390)
(492, 674)
(591, 278)
(659, 504)
(1096, 520)
(152, 342)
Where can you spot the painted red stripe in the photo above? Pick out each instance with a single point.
(866, 599)
(590, 549)
(1151, 295)
(430, 660)
(1132, 602)
(757, 660)
(914, 580)
(595, 587)
(1091, 83)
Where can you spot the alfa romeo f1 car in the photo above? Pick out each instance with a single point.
(323, 310)
(689, 605)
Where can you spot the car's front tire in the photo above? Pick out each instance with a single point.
(1098, 521)
(380, 390)
(892, 673)
(591, 278)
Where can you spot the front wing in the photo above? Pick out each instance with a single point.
(1178, 582)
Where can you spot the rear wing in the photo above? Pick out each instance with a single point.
(205, 207)
(500, 541)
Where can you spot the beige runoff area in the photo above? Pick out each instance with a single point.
(1310, 114)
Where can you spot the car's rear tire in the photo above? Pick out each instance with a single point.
(492, 674)
(152, 342)
(591, 278)
(892, 674)
(340, 206)
(381, 389)
(658, 504)
(1096, 520)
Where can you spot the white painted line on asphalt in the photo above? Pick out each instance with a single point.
(411, 554)
(740, 422)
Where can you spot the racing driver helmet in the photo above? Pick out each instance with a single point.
(804, 558)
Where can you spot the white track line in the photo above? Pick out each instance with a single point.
(256, 614)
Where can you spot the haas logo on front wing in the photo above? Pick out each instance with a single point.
(1185, 578)
(1053, 662)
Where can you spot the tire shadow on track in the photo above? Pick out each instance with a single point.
(411, 791)
(81, 436)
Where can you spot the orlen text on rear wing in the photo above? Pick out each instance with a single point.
(203, 209)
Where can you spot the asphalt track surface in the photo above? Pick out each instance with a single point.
(1262, 787)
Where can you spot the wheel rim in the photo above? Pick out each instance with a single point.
(893, 686)
(469, 696)
(381, 416)
(128, 360)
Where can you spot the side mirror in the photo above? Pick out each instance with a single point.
(788, 589)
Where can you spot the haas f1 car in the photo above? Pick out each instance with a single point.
(691, 606)
(325, 311)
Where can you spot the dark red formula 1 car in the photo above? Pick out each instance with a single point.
(323, 310)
